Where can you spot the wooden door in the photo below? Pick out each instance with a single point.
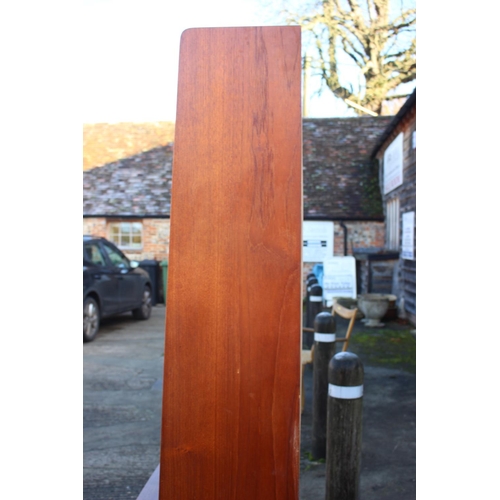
(231, 402)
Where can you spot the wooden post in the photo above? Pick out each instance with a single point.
(324, 349)
(231, 400)
(344, 426)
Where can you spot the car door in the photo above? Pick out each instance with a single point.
(103, 279)
(129, 283)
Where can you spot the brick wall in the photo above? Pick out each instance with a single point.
(360, 236)
(96, 226)
(155, 236)
(156, 239)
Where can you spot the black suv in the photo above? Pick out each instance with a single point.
(112, 284)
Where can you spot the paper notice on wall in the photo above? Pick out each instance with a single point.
(339, 278)
(393, 164)
(317, 239)
(408, 236)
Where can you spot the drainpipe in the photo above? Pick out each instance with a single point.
(344, 227)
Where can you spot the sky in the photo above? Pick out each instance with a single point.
(130, 56)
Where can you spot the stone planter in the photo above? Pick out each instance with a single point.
(392, 312)
(349, 303)
(373, 306)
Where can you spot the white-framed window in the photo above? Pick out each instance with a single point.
(392, 224)
(126, 235)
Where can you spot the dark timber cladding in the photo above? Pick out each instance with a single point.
(231, 401)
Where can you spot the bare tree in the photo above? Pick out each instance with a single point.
(378, 37)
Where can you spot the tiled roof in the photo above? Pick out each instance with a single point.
(410, 103)
(138, 185)
(340, 178)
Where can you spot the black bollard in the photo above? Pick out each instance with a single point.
(311, 280)
(315, 302)
(324, 349)
(344, 426)
(314, 307)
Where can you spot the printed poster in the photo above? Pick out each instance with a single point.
(408, 236)
(393, 164)
(339, 278)
(317, 239)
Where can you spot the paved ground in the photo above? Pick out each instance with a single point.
(122, 411)
(122, 373)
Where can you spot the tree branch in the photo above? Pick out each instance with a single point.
(364, 31)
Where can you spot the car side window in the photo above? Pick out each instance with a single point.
(93, 253)
(116, 258)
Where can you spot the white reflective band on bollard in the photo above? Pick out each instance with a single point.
(313, 298)
(324, 337)
(341, 392)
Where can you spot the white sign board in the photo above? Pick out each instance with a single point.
(317, 239)
(393, 164)
(408, 236)
(339, 278)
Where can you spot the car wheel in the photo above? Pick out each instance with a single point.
(90, 319)
(144, 312)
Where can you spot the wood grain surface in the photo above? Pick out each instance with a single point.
(230, 418)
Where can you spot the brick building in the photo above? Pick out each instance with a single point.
(128, 201)
(395, 153)
(341, 182)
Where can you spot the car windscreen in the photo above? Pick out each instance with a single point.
(92, 253)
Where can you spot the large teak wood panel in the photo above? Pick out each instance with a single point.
(231, 401)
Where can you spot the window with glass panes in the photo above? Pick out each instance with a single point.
(392, 216)
(126, 234)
